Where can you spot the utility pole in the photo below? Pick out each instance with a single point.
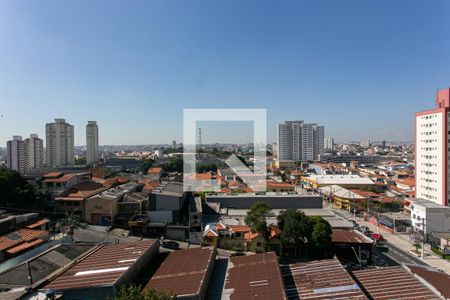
(423, 237)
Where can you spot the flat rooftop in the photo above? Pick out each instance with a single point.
(184, 272)
(321, 279)
(253, 277)
(103, 267)
(393, 283)
(340, 179)
(426, 203)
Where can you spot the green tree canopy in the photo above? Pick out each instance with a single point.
(134, 292)
(146, 164)
(320, 243)
(294, 226)
(15, 191)
(256, 217)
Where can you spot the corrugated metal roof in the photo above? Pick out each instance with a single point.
(321, 279)
(393, 283)
(254, 277)
(183, 272)
(103, 267)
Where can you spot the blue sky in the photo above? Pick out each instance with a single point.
(361, 68)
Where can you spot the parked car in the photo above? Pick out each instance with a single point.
(171, 245)
(377, 236)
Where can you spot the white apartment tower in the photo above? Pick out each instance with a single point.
(432, 145)
(59, 143)
(92, 150)
(34, 153)
(329, 143)
(15, 155)
(297, 141)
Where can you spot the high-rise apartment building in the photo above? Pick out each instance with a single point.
(15, 154)
(34, 152)
(432, 145)
(329, 143)
(297, 140)
(92, 150)
(365, 144)
(59, 143)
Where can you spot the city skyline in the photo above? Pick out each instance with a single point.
(134, 72)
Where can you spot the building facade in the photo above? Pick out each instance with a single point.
(299, 141)
(15, 154)
(92, 150)
(59, 143)
(431, 151)
(329, 143)
(34, 153)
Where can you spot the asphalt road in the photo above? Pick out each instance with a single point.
(400, 256)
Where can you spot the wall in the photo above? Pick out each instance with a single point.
(280, 202)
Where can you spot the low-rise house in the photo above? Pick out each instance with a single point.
(155, 173)
(273, 186)
(256, 242)
(72, 200)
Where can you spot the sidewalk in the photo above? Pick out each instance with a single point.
(402, 242)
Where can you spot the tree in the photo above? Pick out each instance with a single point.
(206, 167)
(147, 164)
(256, 217)
(174, 165)
(134, 292)
(319, 238)
(294, 226)
(15, 191)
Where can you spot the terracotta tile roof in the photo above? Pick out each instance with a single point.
(84, 190)
(203, 176)
(238, 228)
(279, 185)
(150, 185)
(6, 243)
(274, 232)
(61, 179)
(154, 170)
(24, 246)
(52, 175)
(38, 223)
(406, 181)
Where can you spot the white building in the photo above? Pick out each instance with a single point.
(92, 149)
(59, 143)
(432, 141)
(428, 216)
(15, 154)
(365, 144)
(329, 143)
(34, 152)
(298, 141)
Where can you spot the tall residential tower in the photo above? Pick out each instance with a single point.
(15, 154)
(92, 150)
(34, 152)
(59, 143)
(298, 141)
(432, 145)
